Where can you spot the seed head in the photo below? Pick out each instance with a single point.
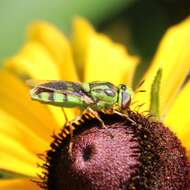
(132, 152)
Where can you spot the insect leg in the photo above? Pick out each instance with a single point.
(95, 114)
(65, 115)
(122, 115)
(68, 124)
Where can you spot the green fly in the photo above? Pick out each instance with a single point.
(95, 96)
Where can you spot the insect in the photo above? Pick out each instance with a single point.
(94, 96)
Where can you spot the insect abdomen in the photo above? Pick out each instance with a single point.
(70, 100)
(58, 99)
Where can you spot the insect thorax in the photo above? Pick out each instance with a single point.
(104, 94)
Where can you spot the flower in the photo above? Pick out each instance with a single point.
(26, 126)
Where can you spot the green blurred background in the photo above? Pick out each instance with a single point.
(15, 15)
(137, 23)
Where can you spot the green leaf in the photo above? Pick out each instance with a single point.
(155, 94)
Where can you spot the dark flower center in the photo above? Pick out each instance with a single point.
(132, 152)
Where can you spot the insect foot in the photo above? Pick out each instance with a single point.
(144, 155)
(94, 114)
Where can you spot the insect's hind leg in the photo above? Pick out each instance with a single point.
(65, 115)
(67, 123)
(68, 129)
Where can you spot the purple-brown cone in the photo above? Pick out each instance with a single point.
(130, 153)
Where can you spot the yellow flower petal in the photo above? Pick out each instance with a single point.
(58, 47)
(101, 58)
(178, 118)
(34, 61)
(14, 157)
(15, 101)
(80, 44)
(173, 57)
(14, 129)
(18, 185)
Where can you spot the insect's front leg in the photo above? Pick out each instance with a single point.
(120, 113)
(124, 114)
(94, 114)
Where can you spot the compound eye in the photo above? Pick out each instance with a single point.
(125, 100)
(123, 87)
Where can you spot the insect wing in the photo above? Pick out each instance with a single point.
(34, 83)
(54, 85)
(61, 93)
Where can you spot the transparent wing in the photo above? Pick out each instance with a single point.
(55, 85)
(33, 82)
(68, 90)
